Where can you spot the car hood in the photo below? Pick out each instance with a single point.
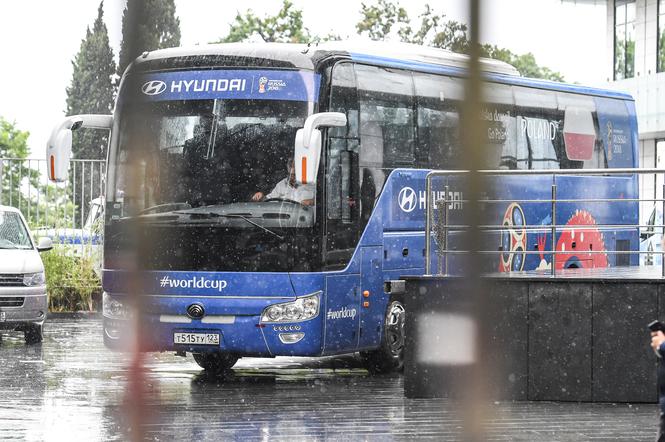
(20, 261)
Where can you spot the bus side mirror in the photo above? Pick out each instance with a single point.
(307, 152)
(59, 145)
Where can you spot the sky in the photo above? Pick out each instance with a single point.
(39, 39)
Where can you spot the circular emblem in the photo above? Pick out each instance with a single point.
(195, 311)
(407, 199)
(154, 87)
(513, 239)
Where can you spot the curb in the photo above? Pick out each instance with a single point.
(74, 315)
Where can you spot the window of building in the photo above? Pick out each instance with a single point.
(661, 36)
(624, 39)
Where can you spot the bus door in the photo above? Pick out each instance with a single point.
(372, 304)
(341, 313)
(342, 231)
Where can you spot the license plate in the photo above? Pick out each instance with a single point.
(196, 338)
(3, 316)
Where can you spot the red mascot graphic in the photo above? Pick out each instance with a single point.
(574, 243)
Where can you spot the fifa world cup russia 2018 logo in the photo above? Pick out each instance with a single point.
(513, 239)
(262, 84)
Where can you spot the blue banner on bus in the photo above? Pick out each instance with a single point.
(230, 84)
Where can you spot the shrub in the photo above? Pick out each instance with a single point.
(70, 281)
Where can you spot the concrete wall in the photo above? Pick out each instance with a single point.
(563, 340)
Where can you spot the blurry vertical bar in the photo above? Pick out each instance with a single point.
(135, 408)
(474, 391)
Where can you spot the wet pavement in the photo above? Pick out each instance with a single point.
(71, 388)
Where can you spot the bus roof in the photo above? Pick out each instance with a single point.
(308, 57)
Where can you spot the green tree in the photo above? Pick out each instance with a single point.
(14, 149)
(285, 27)
(147, 25)
(91, 88)
(387, 20)
(91, 92)
(20, 182)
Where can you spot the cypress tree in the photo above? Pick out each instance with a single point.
(147, 25)
(91, 89)
(91, 92)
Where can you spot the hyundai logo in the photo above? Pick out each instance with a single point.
(154, 87)
(195, 311)
(407, 199)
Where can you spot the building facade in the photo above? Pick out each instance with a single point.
(635, 41)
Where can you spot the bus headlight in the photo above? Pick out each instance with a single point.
(301, 309)
(113, 308)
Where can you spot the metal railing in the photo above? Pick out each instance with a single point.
(24, 184)
(440, 229)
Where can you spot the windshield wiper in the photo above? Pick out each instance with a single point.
(226, 215)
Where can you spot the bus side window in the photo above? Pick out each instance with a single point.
(437, 102)
(538, 127)
(386, 99)
(598, 159)
(344, 98)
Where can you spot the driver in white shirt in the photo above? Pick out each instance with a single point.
(288, 189)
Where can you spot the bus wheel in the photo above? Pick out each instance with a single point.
(32, 333)
(390, 355)
(215, 362)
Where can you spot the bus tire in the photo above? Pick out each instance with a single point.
(390, 354)
(216, 362)
(33, 333)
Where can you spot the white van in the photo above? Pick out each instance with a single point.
(23, 302)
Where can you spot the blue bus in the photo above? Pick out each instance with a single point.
(278, 190)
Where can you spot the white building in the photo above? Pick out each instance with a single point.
(636, 64)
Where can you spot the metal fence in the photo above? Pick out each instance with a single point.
(24, 184)
(438, 229)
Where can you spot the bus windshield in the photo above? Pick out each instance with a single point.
(216, 174)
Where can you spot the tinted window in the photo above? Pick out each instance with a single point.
(438, 100)
(344, 98)
(386, 115)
